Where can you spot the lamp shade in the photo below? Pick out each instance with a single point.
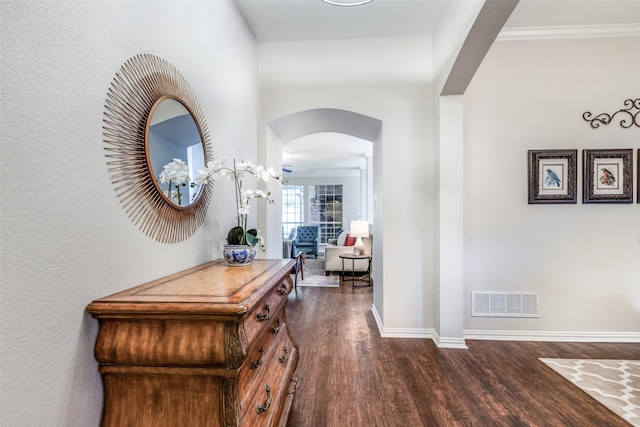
(359, 229)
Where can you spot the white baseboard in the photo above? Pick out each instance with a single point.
(440, 342)
(548, 336)
(552, 336)
(449, 342)
(400, 332)
(378, 320)
(408, 333)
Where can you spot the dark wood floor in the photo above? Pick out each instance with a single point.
(351, 377)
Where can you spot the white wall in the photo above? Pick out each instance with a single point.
(449, 239)
(389, 80)
(65, 238)
(464, 34)
(584, 259)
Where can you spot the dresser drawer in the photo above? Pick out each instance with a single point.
(285, 407)
(263, 312)
(257, 362)
(269, 389)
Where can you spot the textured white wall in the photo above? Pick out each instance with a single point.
(65, 238)
(389, 80)
(583, 259)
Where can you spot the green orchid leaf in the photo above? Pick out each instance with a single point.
(252, 237)
(234, 237)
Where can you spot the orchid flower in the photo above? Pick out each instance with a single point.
(237, 172)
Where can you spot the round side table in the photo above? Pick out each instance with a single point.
(353, 259)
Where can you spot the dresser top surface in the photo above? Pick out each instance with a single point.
(213, 283)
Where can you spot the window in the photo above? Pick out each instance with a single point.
(292, 208)
(325, 206)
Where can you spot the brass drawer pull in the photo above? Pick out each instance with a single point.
(285, 356)
(295, 386)
(276, 328)
(257, 363)
(265, 316)
(283, 290)
(263, 408)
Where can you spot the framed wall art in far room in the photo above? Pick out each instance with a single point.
(607, 176)
(552, 176)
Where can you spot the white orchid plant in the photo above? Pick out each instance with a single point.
(240, 235)
(175, 173)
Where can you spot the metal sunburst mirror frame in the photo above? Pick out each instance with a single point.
(140, 83)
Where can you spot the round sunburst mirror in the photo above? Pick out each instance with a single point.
(156, 139)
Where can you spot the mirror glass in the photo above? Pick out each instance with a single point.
(175, 151)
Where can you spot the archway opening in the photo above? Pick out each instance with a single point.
(327, 147)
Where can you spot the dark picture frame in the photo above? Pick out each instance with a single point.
(638, 160)
(607, 176)
(553, 176)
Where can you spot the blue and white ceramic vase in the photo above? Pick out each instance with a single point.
(239, 255)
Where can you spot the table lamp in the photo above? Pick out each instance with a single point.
(359, 229)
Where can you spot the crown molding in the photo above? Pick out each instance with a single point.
(569, 32)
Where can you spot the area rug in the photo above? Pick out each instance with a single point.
(314, 275)
(614, 383)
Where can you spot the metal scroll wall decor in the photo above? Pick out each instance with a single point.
(141, 83)
(629, 116)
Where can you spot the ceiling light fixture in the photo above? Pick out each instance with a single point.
(347, 2)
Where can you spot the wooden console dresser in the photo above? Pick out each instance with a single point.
(209, 346)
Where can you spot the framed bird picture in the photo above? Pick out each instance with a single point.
(607, 176)
(553, 176)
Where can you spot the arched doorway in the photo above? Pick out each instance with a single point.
(339, 127)
(297, 128)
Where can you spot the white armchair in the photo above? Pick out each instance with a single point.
(333, 262)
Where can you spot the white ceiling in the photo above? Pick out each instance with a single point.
(343, 155)
(295, 20)
(299, 20)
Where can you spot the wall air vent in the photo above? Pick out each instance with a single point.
(504, 304)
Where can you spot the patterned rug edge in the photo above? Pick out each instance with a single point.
(332, 281)
(318, 285)
(314, 275)
(601, 376)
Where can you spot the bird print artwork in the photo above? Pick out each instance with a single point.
(607, 177)
(552, 179)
